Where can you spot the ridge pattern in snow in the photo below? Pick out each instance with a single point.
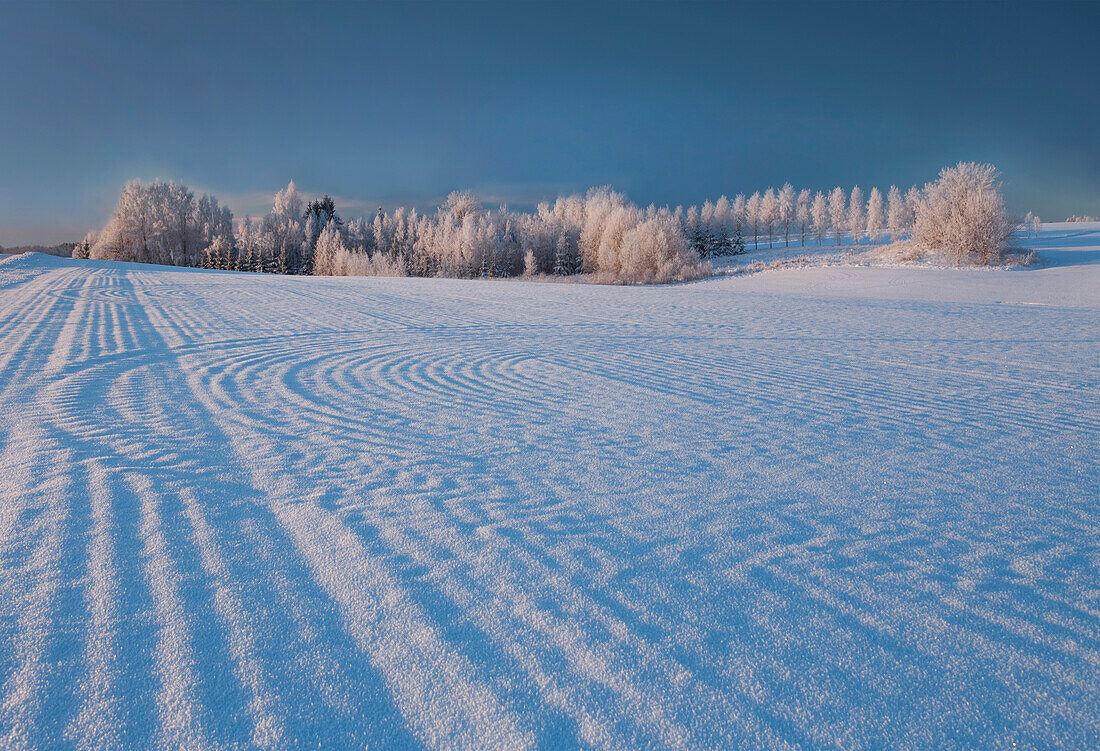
(269, 512)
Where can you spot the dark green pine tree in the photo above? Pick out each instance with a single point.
(736, 243)
(703, 242)
(564, 261)
(318, 214)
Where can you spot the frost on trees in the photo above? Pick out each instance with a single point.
(752, 217)
(737, 215)
(961, 216)
(875, 217)
(83, 248)
(912, 198)
(819, 213)
(712, 230)
(786, 211)
(856, 220)
(161, 223)
(896, 220)
(838, 213)
(802, 215)
(769, 212)
(286, 230)
(599, 233)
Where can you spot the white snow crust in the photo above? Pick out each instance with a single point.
(839, 505)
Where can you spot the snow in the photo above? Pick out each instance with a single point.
(834, 505)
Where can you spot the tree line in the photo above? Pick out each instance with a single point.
(599, 233)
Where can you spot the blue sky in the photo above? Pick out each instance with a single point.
(669, 102)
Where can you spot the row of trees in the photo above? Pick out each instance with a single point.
(794, 215)
(599, 233)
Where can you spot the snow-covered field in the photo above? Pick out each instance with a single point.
(833, 506)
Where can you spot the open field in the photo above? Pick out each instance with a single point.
(844, 506)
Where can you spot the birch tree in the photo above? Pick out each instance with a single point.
(786, 211)
(820, 213)
(838, 213)
(874, 215)
(857, 220)
(895, 213)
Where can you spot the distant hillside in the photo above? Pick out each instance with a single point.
(65, 250)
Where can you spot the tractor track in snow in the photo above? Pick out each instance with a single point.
(241, 511)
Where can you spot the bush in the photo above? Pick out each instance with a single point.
(656, 251)
(960, 218)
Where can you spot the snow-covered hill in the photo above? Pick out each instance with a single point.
(843, 506)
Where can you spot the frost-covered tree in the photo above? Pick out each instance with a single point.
(318, 215)
(325, 210)
(895, 213)
(752, 218)
(912, 198)
(786, 211)
(769, 212)
(218, 254)
(737, 215)
(156, 223)
(287, 202)
(692, 222)
(255, 248)
(181, 242)
(126, 236)
(460, 204)
(213, 220)
(961, 216)
(701, 239)
(329, 254)
(722, 222)
(820, 213)
(838, 213)
(83, 248)
(802, 214)
(1029, 223)
(655, 250)
(874, 215)
(857, 222)
(566, 257)
(286, 230)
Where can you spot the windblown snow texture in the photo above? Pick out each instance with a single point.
(837, 506)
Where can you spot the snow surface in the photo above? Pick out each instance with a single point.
(839, 505)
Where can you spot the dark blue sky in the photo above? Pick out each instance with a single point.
(672, 103)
